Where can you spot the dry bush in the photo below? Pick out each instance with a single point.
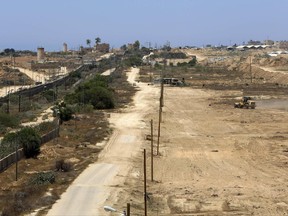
(62, 165)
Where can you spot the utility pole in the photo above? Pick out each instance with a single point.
(8, 103)
(16, 157)
(251, 70)
(161, 104)
(159, 127)
(152, 155)
(162, 85)
(145, 192)
(162, 93)
(19, 102)
(128, 209)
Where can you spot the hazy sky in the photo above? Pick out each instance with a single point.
(32, 23)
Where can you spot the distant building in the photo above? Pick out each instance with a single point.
(130, 46)
(86, 49)
(282, 45)
(252, 42)
(40, 54)
(103, 47)
(268, 42)
(65, 47)
(248, 47)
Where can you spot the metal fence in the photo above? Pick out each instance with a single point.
(11, 158)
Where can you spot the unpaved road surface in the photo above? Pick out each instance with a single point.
(90, 191)
(214, 159)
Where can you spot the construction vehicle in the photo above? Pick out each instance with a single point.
(246, 102)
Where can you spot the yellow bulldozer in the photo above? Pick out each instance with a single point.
(246, 102)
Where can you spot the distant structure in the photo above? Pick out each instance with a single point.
(40, 54)
(253, 42)
(65, 47)
(268, 42)
(282, 45)
(130, 46)
(103, 47)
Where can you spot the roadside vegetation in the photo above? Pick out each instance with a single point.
(95, 92)
(79, 104)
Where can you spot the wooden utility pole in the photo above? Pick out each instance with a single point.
(13, 62)
(145, 192)
(152, 155)
(162, 93)
(128, 209)
(19, 102)
(16, 158)
(251, 70)
(8, 103)
(159, 127)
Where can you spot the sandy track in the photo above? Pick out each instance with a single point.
(90, 191)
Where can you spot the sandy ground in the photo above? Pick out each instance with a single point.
(36, 76)
(214, 159)
(270, 69)
(200, 56)
(45, 116)
(108, 72)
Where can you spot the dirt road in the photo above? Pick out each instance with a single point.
(90, 191)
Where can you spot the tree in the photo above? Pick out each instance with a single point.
(27, 138)
(30, 140)
(95, 92)
(88, 42)
(7, 120)
(123, 47)
(133, 60)
(136, 45)
(97, 40)
(100, 98)
(62, 111)
(9, 51)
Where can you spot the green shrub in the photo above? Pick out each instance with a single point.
(26, 105)
(45, 127)
(50, 95)
(100, 98)
(30, 140)
(133, 60)
(8, 144)
(43, 178)
(95, 92)
(172, 55)
(8, 120)
(63, 111)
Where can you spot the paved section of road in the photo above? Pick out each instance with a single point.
(108, 72)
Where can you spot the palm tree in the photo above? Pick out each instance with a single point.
(88, 42)
(97, 40)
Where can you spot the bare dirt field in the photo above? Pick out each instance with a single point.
(215, 160)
